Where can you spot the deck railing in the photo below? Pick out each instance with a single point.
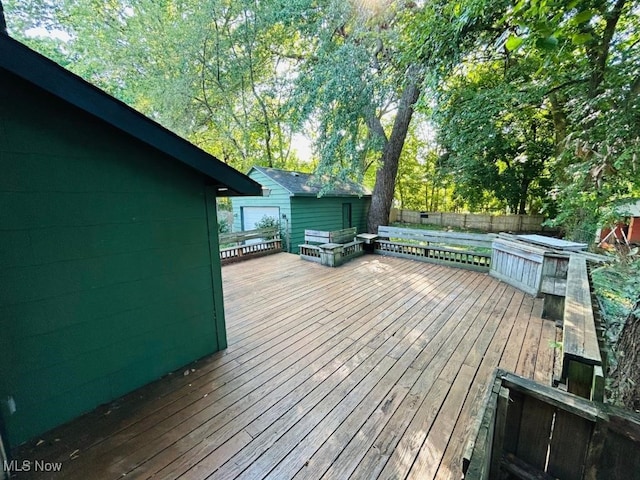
(436, 247)
(249, 244)
(532, 431)
(435, 254)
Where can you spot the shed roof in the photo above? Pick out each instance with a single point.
(20, 61)
(632, 207)
(301, 184)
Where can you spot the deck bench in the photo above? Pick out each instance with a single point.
(427, 246)
(533, 263)
(249, 244)
(331, 248)
(581, 359)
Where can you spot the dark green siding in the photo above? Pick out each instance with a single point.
(107, 277)
(302, 213)
(325, 213)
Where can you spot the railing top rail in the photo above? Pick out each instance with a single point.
(418, 233)
(235, 237)
(482, 240)
(581, 339)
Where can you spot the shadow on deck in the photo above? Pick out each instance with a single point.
(371, 370)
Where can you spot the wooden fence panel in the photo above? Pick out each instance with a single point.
(535, 431)
(478, 221)
(569, 444)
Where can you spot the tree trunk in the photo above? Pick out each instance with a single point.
(382, 197)
(626, 377)
(559, 122)
(524, 194)
(600, 54)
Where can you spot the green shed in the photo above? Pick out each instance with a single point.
(109, 265)
(294, 199)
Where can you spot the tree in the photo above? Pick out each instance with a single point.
(354, 89)
(498, 134)
(204, 69)
(590, 54)
(368, 69)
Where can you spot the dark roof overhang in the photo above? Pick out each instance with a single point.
(38, 70)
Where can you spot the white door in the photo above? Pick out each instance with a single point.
(253, 215)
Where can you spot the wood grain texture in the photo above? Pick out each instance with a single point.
(376, 369)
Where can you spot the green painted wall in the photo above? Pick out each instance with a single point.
(107, 274)
(325, 213)
(302, 213)
(278, 197)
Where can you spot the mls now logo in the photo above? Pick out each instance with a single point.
(31, 466)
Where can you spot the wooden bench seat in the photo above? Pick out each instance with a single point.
(345, 235)
(249, 244)
(582, 361)
(435, 247)
(331, 248)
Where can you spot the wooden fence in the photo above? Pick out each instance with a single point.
(484, 222)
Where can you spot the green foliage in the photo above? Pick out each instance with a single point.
(589, 54)
(497, 134)
(421, 182)
(617, 287)
(537, 103)
(204, 69)
(538, 108)
(223, 225)
(267, 222)
(347, 82)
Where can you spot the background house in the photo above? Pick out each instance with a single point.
(630, 229)
(109, 264)
(293, 200)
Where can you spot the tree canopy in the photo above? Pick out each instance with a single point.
(535, 104)
(546, 111)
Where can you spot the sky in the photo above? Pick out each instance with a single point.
(302, 145)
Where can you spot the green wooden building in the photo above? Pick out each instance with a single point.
(293, 198)
(109, 265)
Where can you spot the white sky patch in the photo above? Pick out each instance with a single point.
(302, 145)
(41, 32)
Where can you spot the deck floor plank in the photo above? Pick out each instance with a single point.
(370, 370)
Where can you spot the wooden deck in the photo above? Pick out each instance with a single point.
(371, 370)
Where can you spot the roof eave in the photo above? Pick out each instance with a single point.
(330, 195)
(38, 70)
(262, 171)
